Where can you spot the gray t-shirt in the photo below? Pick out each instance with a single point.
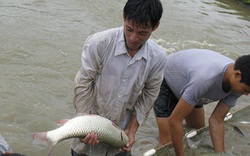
(197, 74)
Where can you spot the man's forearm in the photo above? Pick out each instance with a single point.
(217, 135)
(176, 130)
(132, 125)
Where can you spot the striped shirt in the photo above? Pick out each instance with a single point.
(197, 75)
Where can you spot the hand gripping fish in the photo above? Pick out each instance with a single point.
(78, 127)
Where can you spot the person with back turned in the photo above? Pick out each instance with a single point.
(193, 78)
(120, 76)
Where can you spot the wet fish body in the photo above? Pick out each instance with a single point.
(78, 127)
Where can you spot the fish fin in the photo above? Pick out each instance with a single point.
(40, 138)
(239, 130)
(62, 122)
(192, 144)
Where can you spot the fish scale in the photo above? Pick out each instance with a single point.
(86, 126)
(78, 127)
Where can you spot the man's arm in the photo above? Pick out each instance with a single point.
(130, 130)
(84, 83)
(181, 110)
(86, 77)
(150, 91)
(216, 126)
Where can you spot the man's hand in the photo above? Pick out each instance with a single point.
(131, 137)
(130, 131)
(91, 139)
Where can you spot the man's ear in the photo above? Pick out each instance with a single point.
(156, 26)
(237, 74)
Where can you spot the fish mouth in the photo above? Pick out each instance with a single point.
(122, 136)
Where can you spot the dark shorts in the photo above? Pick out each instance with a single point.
(73, 153)
(166, 101)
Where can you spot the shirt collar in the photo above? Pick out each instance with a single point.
(121, 47)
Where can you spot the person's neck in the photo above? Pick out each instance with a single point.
(226, 83)
(132, 52)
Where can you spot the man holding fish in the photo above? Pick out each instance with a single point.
(193, 78)
(120, 76)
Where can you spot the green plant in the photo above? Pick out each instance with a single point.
(246, 1)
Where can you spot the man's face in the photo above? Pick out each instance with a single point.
(238, 86)
(241, 88)
(136, 35)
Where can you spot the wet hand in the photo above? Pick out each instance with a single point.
(129, 145)
(127, 148)
(91, 139)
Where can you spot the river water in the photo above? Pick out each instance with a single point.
(40, 49)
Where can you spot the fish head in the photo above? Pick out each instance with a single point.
(192, 144)
(124, 137)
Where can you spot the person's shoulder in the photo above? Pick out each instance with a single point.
(154, 46)
(104, 36)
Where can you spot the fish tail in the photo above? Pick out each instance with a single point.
(41, 138)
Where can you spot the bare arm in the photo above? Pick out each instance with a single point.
(130, 130)
(181, 110)
(216, 126)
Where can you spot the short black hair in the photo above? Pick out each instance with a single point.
(243, 64)
(143, 11)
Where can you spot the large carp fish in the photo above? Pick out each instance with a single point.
(78, 127)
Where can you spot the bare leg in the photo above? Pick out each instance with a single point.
(164, 132)
(196, 119)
